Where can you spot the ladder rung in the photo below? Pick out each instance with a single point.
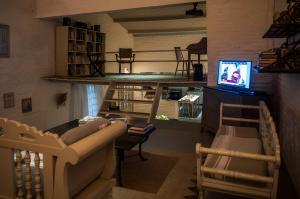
(132, 114)
(129, 101)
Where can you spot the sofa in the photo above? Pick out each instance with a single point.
(36, 164)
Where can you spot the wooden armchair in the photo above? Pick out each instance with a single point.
(242, 160)
(125, 56)
(83, 169)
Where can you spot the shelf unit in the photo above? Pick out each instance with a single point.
(282, 30)
(72, 45)
(276, 70)
(287, 31)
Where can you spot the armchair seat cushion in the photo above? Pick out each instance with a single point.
(248, 145)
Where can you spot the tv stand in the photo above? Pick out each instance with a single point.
(212, 98)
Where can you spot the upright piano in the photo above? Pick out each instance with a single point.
(198, 49)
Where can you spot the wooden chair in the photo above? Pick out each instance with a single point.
(83, 169)
(180, 59)
(125, 56)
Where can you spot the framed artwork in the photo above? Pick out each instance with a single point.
(26, 105)
(9, 100)
(4, 40)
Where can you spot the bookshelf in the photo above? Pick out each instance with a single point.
(72, 45)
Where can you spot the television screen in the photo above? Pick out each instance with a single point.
(234, 73)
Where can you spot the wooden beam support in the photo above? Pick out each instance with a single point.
(147, 31)
(160, 18)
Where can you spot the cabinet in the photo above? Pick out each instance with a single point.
(212, 98)
(73, 45)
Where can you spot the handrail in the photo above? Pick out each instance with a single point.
(202, 60)
(146, 51)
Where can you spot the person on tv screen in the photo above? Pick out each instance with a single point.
(224, 75)
(236, 77)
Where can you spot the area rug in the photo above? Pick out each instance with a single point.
(147, 176)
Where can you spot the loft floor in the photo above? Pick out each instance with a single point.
(134, 77)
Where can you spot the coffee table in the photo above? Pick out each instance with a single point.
(123, 143)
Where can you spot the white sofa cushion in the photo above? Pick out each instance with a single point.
(75, 134)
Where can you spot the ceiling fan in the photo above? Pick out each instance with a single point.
(194, 12)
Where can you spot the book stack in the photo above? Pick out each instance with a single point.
(141, 128)
(267, 58)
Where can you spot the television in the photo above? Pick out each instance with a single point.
(234, 74)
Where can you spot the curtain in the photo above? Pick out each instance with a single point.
(86, 100)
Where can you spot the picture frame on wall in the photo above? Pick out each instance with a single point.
(26, 105)
(4, 41)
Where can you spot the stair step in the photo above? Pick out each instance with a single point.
(132, 83)
(123, 113)
(133, 89)
(137, 89)
(129, 101)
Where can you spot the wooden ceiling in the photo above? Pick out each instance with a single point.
(163, 20)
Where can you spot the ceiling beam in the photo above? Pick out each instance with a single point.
(170, 34)
(165, 32)
(56, 8)
(161, 18)
(132, 31)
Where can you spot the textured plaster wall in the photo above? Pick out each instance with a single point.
(235, 30)
(31, 57)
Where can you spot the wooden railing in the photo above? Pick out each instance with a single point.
(153, 51)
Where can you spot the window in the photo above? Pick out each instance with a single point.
(93, 101)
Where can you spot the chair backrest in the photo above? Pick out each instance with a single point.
(125, 52)
(178, 53)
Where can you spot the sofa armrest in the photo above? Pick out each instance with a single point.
(231, 153)
(86, 146)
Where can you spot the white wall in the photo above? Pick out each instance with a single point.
(235, 30)
(116, 36)
(32, 57)
(167, 42)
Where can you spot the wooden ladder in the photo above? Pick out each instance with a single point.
(126, 99)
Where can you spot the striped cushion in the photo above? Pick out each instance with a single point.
(238, 131)
(249, 145)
